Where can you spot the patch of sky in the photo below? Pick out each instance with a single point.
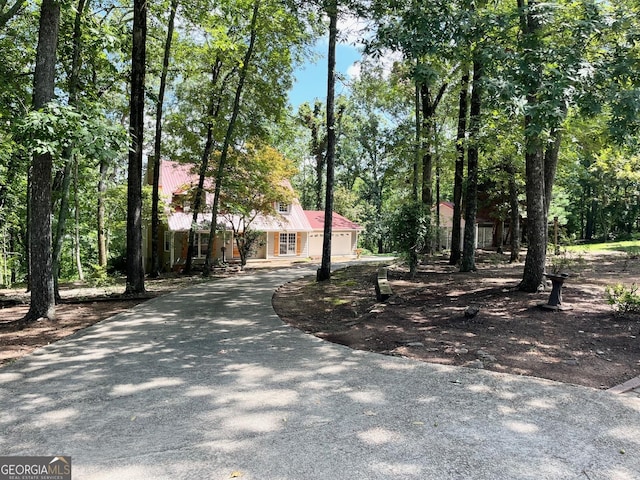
(311, 78)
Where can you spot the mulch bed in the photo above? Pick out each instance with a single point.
(425, 318)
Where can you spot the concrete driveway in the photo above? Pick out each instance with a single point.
(207, 383)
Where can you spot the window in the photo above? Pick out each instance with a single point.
(283, 207)
(180, 202)
(203, 245)
(287, 244)
(167, 241)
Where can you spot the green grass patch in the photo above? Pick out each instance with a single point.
(631, 247)
(335, 301)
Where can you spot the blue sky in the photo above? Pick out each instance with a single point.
(311, 78)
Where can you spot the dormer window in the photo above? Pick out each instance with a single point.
(283, 208)
(178, 203)
(181, 200)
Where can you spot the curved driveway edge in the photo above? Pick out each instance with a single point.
(207, 383)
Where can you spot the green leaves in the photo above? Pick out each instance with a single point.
(256, 179)
(411, 230)
(57, 127)
(623, 299)
(51, 129)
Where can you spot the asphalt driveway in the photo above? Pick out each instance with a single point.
(207, 383)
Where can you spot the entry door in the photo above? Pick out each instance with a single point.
(287, 244)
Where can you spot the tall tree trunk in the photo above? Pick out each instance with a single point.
(418, 147)
(428, 128)
(515, 213)
(324, 272)
(429, 107)
(41, 278)
(313, 121)
(67, 154)
(415, 193)
(199, 195)
(319, 186)
(204, 166)
(212, 112)
(12, 248)
(102, 230)
(135, 266)
(436, 236)
(157, 148)
(77, 250)
(61, 226)
(458, 181)
(318, 147)
(592, 208)
(12, 171)
(536, 220)
(471, 209)
(583, 208)
(550, 165)
(229, 135)
(379, 189)
(27, 236)
(427, 157)
(534, 267)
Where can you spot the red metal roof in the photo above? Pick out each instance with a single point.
(176, 178)
(316, 220)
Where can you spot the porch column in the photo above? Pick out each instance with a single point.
(172, 252)
(267, 246)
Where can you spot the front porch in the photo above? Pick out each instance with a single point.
(271, 246)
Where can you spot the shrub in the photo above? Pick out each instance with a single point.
(117, 265)
(411, 231)
(98, 276)
(565, 262)
(633, 252)
(623, 299)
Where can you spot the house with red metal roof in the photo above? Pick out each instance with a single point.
(292, 233)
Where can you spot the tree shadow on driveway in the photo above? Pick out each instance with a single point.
(209, 383)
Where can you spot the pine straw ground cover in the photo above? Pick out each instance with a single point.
(425, 318)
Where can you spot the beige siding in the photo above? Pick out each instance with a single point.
(342, 243)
